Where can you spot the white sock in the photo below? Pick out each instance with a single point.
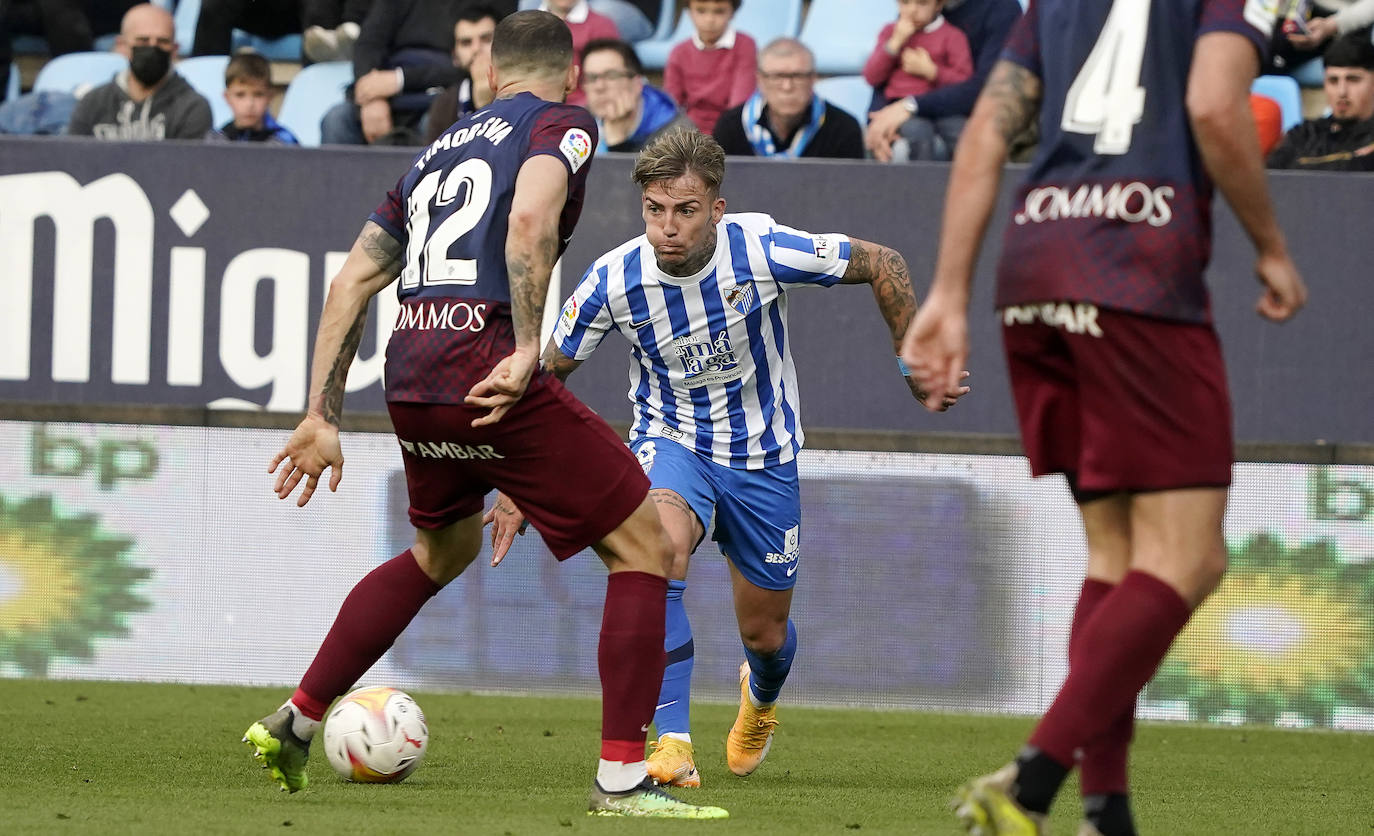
(683, 736)
(301, 725)
(618, 776)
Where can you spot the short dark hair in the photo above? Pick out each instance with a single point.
(677, 152)
(619, 47)
(247, 66)
(1351, 50)
(533, 41)
(734, 4)
(476, 12)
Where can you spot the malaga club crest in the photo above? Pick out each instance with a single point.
(741, 298)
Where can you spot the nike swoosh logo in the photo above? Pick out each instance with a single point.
(638, 325)
(792, 570)
(665, 705)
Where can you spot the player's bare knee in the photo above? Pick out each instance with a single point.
(764, 636)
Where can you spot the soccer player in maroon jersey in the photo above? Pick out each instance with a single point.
(472, 231)
(1115, 367)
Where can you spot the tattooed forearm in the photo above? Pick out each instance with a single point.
(529, 285)
(386, 252)
(885, 269)
(1014, 93)
(554, 360)
(332, 395)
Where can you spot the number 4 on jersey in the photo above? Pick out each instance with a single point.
(1106, 98)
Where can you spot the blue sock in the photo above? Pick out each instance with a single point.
(674, 698)
(768, 673)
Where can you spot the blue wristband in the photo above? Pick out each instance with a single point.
(902, 366)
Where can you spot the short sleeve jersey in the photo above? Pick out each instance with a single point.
(711, 364)
(1116, 207)
(450, 211)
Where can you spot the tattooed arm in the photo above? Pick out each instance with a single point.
(554, 360)
(541, 189)
(372, 264)
(936, 345)
(885, 269)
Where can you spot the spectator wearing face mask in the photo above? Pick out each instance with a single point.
(148, 101)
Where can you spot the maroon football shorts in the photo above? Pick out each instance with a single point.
(568, 471)
(1119, 401)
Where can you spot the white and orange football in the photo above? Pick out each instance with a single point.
(376, 736)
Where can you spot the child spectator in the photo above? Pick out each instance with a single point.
(714, 71)
(248, 89)
(917, 53)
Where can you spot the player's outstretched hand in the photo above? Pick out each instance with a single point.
(1284, 292)
(501, 389)
(506, 521)
(950, 398)
(935, 348)
(310, 449)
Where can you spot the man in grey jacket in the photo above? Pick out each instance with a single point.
(148, 101)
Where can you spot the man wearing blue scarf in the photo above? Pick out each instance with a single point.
(629, 112)
(785, 118)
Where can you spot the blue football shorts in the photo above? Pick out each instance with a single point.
(757, 512)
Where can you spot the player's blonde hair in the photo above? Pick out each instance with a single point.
(678, 152)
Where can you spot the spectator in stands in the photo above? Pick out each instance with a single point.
(248, 89)
(1343, 141)
(714, 71)
(331, 27)
(148, 101)
(986, 24)
(786, 118)
(1331, 19)
(586, 26)
(66, 25)
(266, 18)
(629, 112)
(404, 51)
(919, 53)
(634, 20)
(472, 36)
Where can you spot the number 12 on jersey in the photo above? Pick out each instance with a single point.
(1106, 98)
(427, 260)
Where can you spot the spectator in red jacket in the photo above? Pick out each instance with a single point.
(918, 53)
(714, 71)
(586, 25)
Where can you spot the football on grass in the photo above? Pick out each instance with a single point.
(376, 736)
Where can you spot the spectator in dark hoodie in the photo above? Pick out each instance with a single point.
(1343, 141)
(248, 89)
(148, 101)
(629, 111)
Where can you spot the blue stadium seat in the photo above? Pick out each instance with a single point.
(627, 17)
(762, 20)
(206, 74)
(184, 18)
(12, 89)
(314, 90)
(1284, 90)
(849, 92)
(842, 33)
(67, 72)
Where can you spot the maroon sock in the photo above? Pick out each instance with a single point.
(1103, 767)
(1119, 648)
(373, 615)
(631, 660)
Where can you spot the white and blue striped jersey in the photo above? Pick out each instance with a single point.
(711, 365)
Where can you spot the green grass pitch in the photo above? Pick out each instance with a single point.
(113, 758)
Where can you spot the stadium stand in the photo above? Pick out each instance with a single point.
(841, 33)
(67, 72)
(1284, 90)
(850, 93)
(12, 87)
(314, 90)
(762, 20)
(206, 74)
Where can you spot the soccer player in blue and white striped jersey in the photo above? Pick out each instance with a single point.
(702, 298)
